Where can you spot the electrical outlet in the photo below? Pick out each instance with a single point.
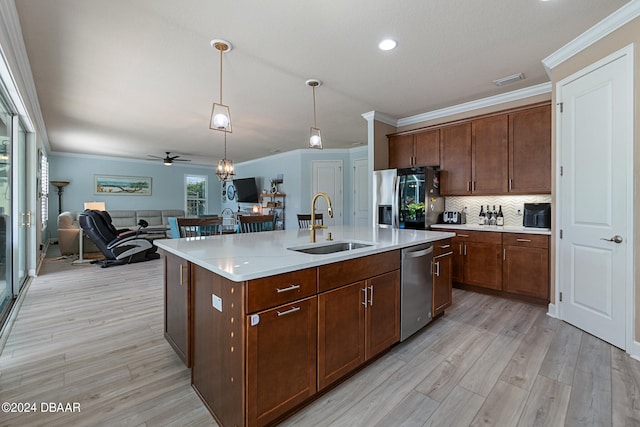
(216, 302)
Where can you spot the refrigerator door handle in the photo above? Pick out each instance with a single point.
(395, 209)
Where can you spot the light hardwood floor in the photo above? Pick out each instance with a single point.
(95, 336)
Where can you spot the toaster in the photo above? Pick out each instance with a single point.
(454, 217)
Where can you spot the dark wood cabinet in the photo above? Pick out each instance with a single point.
(281, 359)
(382, 314)
(515, 264)
(355, 323)
(530, 151)
(455, 160)
(420, 149)
(442, 270)
(526, 265)
(489, 155)
(483, 264)
(340, 332)
(177, 309)
(477, 258)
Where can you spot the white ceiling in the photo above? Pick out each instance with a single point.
(131, 78)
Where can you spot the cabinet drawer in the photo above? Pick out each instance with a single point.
(442, 247)
(531, 240)
(331, 276)
(280, 289)
(478, 236)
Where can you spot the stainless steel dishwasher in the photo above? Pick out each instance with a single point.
(416, 289)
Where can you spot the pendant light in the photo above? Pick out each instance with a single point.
(315, 137)
(225, 171)
(220, 116)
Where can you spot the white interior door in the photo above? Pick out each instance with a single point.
(360, 201)
(595, 204)
(327, 177)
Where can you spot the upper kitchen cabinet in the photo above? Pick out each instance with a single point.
(455, 160)
(420, 149)
(489, 155)
(530, 151)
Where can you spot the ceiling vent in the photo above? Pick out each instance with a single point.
(509, 79)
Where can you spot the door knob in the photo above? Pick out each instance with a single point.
(614, 239)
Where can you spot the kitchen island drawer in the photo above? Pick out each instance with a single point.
(331, 276)
(280, 289)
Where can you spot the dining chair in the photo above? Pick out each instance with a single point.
(255, 223)
(196, 227)
(174, 230)
(304, 220)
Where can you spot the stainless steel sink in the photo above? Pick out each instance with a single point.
(330, 248)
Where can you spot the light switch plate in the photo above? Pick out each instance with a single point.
(216, 302)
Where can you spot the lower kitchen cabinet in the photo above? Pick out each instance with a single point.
(442, 270)
(177, 307)
(483, 264)
(516, 264)
(526, 265)
(281, 359)
(355, 323)
(477, 258)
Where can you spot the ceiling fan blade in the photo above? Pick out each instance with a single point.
(181, 160)
(155, 157)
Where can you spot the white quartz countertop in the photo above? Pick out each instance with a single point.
(240, 257)
(505, 229)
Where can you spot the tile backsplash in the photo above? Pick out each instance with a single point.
(510, 206)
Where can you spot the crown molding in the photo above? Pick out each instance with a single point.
(617, 19)
(380, 117)
(13, 31)
(479, 103)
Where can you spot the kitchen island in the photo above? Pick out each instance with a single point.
(265, 327)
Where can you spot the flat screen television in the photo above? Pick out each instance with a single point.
(246, 190)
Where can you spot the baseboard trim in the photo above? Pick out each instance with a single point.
(552, 311)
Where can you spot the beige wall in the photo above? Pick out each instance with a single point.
(477, 112)
(630, 33)
(381, 145)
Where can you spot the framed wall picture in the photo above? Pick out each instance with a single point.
(122, 185)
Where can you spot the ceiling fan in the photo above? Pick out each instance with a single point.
(168, 159)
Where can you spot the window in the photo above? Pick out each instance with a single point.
(196, 192)
(44, 190)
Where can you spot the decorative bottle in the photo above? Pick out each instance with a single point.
(500, 218)
(481, 217)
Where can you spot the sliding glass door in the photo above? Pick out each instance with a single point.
(6, 287)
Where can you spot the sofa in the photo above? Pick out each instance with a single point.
(68, 227)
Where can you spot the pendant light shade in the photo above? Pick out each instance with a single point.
(220, 114)
(226, 170)
(315, 136)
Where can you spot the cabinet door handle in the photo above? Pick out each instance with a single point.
(371, 295)
(510, 184)
(523, 240)
(291, 310)
(364, 301)
(443, 255)
(445, 246)
(468, 185)
(181, 274)
(465, 250)
(289, 288)
(504, 254)
(462, 235)
(438, 269)
(473, 186)
(460, 248)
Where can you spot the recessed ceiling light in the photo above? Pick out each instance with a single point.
(387, 44)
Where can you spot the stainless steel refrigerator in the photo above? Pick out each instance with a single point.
(407, 198)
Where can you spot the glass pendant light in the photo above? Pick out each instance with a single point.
(225, 171)
(220, 115)
(315, 137)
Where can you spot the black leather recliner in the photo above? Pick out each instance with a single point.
(118, 246)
